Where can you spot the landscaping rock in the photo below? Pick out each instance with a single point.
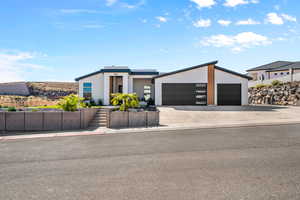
(283, 94)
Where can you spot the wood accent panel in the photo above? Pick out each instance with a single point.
(211, 84)
(111, 85)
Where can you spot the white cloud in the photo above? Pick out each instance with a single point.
(289, 18)
(237, 42)
(111, 2)
(274, 18)
(277, 19)
(133, 6)
(162, 19)
(204, 3)
(224, 22)
(144, 21)
(202, 23)
(13, 65)
(277, 7)
(78, 11)
(247, 22)
(234, 3)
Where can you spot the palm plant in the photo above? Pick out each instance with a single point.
(125, 101)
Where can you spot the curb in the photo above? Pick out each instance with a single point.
(157, 129)
(145, 130)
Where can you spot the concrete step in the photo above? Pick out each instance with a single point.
(99, 120)
(101, 117)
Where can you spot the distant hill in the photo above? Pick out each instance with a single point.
(52, 90)
(20, 94)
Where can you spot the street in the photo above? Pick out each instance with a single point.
(224, 163)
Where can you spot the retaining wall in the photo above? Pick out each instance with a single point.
(117, 119)
(46, 120)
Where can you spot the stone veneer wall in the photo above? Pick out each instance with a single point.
(284, 94)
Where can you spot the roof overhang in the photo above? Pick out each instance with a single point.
(186, 69)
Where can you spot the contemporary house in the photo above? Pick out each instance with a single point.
(205, 84)
(274, 70)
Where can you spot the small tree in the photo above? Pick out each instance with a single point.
(70, 103)
(125, 101)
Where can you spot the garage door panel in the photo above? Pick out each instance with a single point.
(184, 94)
(229, 94)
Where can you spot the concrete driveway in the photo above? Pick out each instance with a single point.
(196, 116)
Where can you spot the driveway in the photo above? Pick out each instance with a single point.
(196, 116)
(216, 164)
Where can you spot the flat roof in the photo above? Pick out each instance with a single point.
(121, 69)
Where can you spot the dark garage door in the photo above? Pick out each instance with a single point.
(184, 94)
(229, 94)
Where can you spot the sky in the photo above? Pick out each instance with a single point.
(60, 40)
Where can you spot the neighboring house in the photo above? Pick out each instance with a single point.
(274, 70)
(205, 84)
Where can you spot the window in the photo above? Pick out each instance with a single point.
(147, 92)
(288, 73)
(87, 90)
(281, 73)
(275, 74)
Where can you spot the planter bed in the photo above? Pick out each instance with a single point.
(46, 120)
(131, 119)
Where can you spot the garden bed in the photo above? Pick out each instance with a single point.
(131, 119)
(46, 120)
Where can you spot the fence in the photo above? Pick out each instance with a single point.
(284, 79)
(46, 120)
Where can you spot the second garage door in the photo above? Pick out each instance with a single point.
(229, 94)
(184, 94)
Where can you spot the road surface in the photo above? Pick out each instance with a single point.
(229, 163)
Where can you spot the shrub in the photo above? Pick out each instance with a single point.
(92, 103)
(100, 103)
(259, 86)
(70, 103)
(150, 102)
(125, 101)
(276, 83)
(11, 109)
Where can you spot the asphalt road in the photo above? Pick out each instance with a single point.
(231, 163)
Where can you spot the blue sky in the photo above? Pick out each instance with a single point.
(59, 40)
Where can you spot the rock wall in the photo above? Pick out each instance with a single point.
(283, 94)
(52, 90)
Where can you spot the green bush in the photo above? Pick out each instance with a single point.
(92, 103)
(49, 107)
(11, 109)
(150, 102)
(259, 86)
(71, 103)
(100, 103)
(276, 83)
(125, 101)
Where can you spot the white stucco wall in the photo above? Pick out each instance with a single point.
(138, 86)
(198, 75)
(279, 74)
(97, 86)
(224, 77)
